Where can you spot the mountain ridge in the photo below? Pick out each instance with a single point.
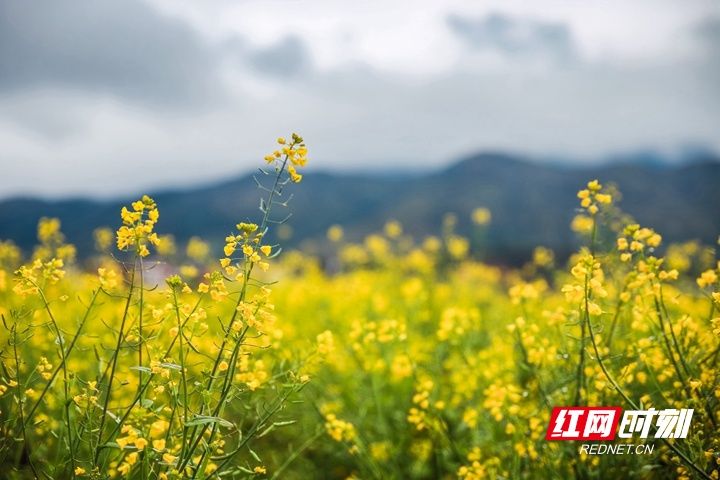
(532, 203)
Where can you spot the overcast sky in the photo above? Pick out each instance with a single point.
(105, 97)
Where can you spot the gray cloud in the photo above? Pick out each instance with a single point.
(124, 49)
(705, 62)
(286, 58)
(709, 31)
(514, 36)
(47, 114)
(72, 79)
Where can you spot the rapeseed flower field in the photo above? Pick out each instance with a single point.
(410, 360)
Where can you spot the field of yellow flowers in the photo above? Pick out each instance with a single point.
(410, 360)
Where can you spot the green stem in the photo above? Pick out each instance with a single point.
(108, 392)
(580, 372)
(296, 454)
(616, 315)
(66, 394)
(183, 378)
(21, 402)
(37, 403)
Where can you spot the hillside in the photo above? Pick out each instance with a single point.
(532, 203)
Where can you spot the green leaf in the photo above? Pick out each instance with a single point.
(284, 423)
(255, 455)
(173, 366)
(204, 420)
(141, 369)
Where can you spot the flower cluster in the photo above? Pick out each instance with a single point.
(589, 284)
(31, 277)
(325, 343)
(456, 322)
(481, 216)
(248, 242)
(294, 152)
(476, 469)
(339, 430)
(419, 415)
(591, 197)
(136, 232)
(637, 240)
(709, 277)
(52, 242)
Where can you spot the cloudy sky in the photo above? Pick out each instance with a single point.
(99, 97)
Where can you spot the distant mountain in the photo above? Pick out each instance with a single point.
(532, 203)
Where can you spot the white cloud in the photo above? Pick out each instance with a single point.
(369, 84)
